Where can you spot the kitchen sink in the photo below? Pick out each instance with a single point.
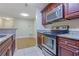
(2, 36)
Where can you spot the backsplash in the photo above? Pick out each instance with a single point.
(73, 24)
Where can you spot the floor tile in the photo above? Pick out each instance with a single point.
(33, 51)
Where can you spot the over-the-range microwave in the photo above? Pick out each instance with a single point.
(55, 14)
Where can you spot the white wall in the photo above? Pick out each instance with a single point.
(38, 21)
(25, 28)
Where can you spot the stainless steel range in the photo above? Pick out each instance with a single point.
(49, 45)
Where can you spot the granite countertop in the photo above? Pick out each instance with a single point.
(74, 36)
(2, 39)
(42, 31)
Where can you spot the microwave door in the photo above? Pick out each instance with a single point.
(55, 14)
(51, 17)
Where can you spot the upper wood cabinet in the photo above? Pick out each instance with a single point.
(44, 17)
(71, 10)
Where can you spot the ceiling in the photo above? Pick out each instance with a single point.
(13, 10)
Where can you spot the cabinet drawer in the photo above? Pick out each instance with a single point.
(69, 42)
(68, 49)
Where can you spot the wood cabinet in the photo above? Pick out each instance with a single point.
(47, 9)
(44, 17)
(67, 46)
(71, 10)
(7, 47)
(13, 47)
(39, 39)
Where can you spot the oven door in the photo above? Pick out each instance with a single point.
(46, 52)
(50, 44)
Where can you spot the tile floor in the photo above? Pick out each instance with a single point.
(32, 51)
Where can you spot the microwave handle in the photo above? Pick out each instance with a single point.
(56, 13)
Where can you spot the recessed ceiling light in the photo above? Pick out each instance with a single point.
(24, 14)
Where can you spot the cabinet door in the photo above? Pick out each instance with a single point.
(52, 6)
(40, 40)
(44, 17)
(6, 47)
(13, 47)
(73, 7)
(71, 10)
(64, 52)
(67, 47)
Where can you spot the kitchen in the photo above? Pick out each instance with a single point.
(59, 36)
(51, 29)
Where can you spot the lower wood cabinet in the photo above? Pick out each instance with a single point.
(7, 47)
(39, 39)
(65, 51)
(13, 47)
(67, 47)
